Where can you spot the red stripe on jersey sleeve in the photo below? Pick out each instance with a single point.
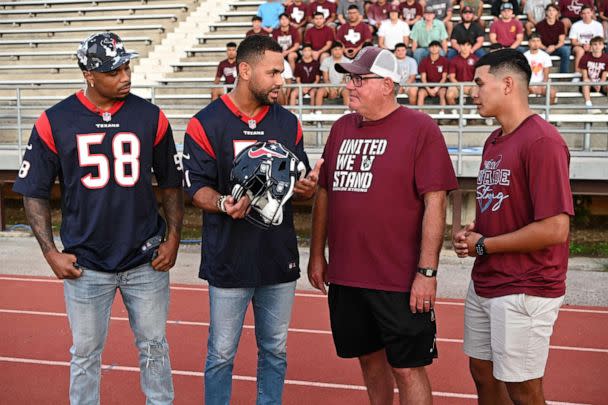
(196, 131)
(299, 135)
(43, 127)
(163, 124)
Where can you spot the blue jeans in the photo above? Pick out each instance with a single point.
(564, 58)
(453, 52)
(88, 299)
(421, 53)
(272, 311)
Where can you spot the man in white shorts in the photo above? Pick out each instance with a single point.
(520, 238)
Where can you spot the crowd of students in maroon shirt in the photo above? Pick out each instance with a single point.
(355, 23)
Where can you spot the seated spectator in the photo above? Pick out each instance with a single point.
(226, 69)
(297, 11)
(354, 33)
(325, 7)
(256, 27)
(287, 76)
(594, 66)
(307, 72)
(408, 69)
(603, 9)
(320, 37)
(433, 69)
(411, 12)
(343, 5)
(535, 11)
(540, 63)
(393, 31)
(570, 11)
(461, 69)
(553, 38)
(443, 12)
(289, 39)
(467, 30)
(376, 13)
(581, 33)
(270, 12)
(497, 7)
(476, 7)
(332, 76)
(425, 32)
(507, 30)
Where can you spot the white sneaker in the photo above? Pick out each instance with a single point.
(463, 122)
(489, 121)
(473, 111)
(454, 111)
(318, 112)
(576, 79)
(588, 104)
(441, 112)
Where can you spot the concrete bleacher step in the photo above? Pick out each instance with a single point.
(119, 19)
(131, 9)
(50, 31)
(59, 3)
(35, 43)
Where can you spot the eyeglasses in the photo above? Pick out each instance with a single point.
(358, 80)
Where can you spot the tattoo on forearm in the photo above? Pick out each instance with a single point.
(38, 212)
(173, 207)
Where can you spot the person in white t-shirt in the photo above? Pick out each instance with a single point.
(393, 31)
(332, 76)
(287, 76)
(581, 33)
(540, 63)
(408, 69)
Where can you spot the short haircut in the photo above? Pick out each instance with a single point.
(283, 15)
(507, 60)
(231, 45)
(552, 5)
(353, 7)
(435, 43)
(597, 39)
(256, 18)
(306, 45)
(586, 7)
(318, 13)
(534, 35)
(400, 45)
(253, 47)
(463, 41)
(336, 44)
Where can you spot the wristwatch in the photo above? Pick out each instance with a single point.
(220, 203)
(480, 247)
(427, 271)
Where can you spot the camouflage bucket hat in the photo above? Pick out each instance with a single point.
(103, 52)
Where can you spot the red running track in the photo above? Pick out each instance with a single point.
(34, 358)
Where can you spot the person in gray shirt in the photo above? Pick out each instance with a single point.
(408, 69)
(332, 76)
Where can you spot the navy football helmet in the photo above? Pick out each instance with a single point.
(266, 172)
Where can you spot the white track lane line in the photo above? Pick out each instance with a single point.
(293, 330)
(303, 383)
(298, 294)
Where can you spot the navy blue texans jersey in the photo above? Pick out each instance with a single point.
(236, 253)
(104, 161)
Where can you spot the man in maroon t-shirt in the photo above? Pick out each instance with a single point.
(354, 34)
(433, 69)
(411, 12)
(594, 67)
(507, 30)
(320, 37)
(226, 69)
(461, 69)
(325, 7)
(553, 37)
(306, 72)
(383, 185)
(378, 12)
(256, 27)
(519, 237)
(289, 39)
(298, 15)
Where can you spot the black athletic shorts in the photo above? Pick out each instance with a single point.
(364, 321)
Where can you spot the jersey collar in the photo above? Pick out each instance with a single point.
(251, 121)
(93, 108)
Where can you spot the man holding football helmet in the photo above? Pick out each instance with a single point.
(243, 159)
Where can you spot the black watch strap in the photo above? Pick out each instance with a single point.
(427, 271)
(480, 247)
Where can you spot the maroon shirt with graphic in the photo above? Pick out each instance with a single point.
(307, 71)
(376, 174)
(594, 66)
(286, 39)
(463, 68)
(409, 12)
(352, 37)
(227, 70)
(433, 69)
(524, 177)
(297, 13)
(572, 8)
(327, 8)
(318, 37)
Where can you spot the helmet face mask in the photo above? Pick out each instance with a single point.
(266, 172)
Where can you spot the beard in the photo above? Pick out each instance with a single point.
(262, 96)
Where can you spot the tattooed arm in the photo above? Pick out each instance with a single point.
(173, 207)
(38, 213)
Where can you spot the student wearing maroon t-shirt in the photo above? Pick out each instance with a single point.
(307, 72)
(325, 7)
(354, 33)
(226, 69)
(320, 37)
(553, 37)
(461, 69)
(381, 205)
(411, 12)
(507, 30)
(594, 67)
(298, 15)
(256, 27)
(519, 238)
(433, 69)
(289, 39)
